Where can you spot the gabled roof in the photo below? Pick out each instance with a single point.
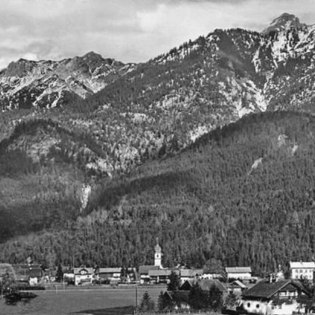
(238, 269)
(302, 264)
(190, 272)
(88, 270)
(35, 273)
(206, 284)
(144, 270)
(238, 283)
(266, 290)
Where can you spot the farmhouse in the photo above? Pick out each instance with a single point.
(243, 273)
(190, 274)
(35, 275)
(108, 275)
(144, 273)
(83, 275)
(160, 275)
(276, 298)
(236, 287)
(205, 285)
(68, 276)
(302, 270)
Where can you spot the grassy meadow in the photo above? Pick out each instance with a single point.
(94, 301)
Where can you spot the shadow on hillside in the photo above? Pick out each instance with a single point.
(125, 310)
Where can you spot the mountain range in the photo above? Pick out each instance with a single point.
(90, 142)
(26, 83)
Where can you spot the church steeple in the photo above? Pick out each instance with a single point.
(157, 254)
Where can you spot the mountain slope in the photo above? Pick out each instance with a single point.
(242, 194)
(24, 84)
(161, 106)
(45, 176)
(262, 163)
(212, 81)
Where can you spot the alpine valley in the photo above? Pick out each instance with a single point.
(209, 147)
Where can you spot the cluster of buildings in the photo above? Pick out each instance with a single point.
(272, 296)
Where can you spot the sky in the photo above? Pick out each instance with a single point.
(127, 30)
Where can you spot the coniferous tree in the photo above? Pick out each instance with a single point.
(146, 303)
(59, 274)
(174, 282)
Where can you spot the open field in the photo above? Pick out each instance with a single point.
(81, 301)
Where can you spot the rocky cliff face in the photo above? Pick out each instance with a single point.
(26, 84)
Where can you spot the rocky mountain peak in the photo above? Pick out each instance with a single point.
(92, 55)
(25, 83)
(285, 21)
(19, 68)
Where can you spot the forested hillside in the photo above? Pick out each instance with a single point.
(45, 172)
(242, 194)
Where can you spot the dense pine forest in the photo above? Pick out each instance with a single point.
(241, 195)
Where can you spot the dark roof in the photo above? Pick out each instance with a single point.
(35, 273)
(144, 270)
(237, 284)
(77, 271)
(265, 289)
(206, 284)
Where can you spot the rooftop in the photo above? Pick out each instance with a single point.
(265, 289)
(144, 269)
(302, 264)
(190, 272)
(238, 269)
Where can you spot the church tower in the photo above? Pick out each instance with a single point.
(157, 254)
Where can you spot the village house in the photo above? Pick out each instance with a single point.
(236, 287)
(68, 276)
(160, 275)
(242, 273)
(190, 274)
(282, 297)
(32, 274)
(35, 275)
(302, 270)
(205, 285)
(211, 276)
(83, 275)
(108, 275)
(144, 273)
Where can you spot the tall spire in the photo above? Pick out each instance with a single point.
(157, 247)
(158, 254)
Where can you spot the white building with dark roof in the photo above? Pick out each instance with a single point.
(243, 273)
(302, 270)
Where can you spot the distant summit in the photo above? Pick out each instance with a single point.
(46, 83)
(285, 21)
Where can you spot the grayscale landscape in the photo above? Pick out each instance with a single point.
(157, 156)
